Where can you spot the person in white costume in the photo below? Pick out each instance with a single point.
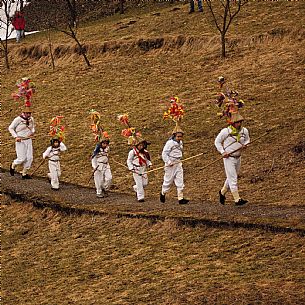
(230, 142)
(171, 155)
(22, 129)
(138, 162)
(52, 153)
(101, 167)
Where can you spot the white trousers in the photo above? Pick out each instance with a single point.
(141, 183)
(24, 151)
(54, 173)
(232, 167)
(102, 178)
(173, 174)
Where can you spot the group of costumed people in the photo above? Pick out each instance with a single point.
(229, 142)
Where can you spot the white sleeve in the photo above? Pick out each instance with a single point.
(47, 152)
(94, 162)
(13, 126)
(130, 159)
(62, 146)
(33, 128)
(219, 141)
(166, 151)
(247, 137)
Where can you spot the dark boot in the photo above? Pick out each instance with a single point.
(26, 176)
(141, 200)
(162, 198)
(241, 202)
(183, 201)
(12, 170)
(222, 198)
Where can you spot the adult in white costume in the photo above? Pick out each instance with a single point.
(101, 167)
(230, 142)
(138, 161)
(171, 155)
(22, 129)
(52, 153)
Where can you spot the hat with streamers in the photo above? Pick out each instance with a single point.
(96, 127)
(24, 93)
(176, 113)
(134, 136)
(227, 102)
(57, 131)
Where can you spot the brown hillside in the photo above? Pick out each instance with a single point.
(141, 59)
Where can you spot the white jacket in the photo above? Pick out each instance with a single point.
(172, 151)
(53, 153)
(225, 142)
(18, 127)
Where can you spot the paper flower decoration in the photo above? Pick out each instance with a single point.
(175, 111)
(25, 91)
(57, 131)
(96, 126)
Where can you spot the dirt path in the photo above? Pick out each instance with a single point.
(81, 200)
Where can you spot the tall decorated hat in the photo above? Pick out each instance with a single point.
(134, 136)
(96, 127)
(228, 103)
(57, 130)
(24, 93)
(175, 112)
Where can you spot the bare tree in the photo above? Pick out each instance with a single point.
(60, 15)
(7, 9)
(222, 21)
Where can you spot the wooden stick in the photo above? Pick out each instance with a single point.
(123, 165)
(189, 158)
(38, 167)
(92, 174)
(161, 167)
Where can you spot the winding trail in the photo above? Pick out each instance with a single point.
(75, 199)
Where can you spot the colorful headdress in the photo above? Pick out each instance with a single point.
(97, 128)
(175, 112)
(57, 131)
(134, 137)
(25, 92)
(227, 102)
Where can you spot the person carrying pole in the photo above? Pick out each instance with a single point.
(52, 153)
(172, 154)
(22, 128)
(100, 157)
(230, 142)
(138, 160)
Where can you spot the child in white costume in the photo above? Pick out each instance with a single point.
(22, 129)
(138, 161)
(101, 167)
(173, 170)
(172, 153)
(230, 142)
(52, 153)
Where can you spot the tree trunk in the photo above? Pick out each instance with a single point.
(121, 6)
(223, 45)
(83, 52)
(50, 48)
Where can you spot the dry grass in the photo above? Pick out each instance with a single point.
(54, 259)
(265, 64)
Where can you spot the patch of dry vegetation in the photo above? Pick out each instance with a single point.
(130, 74)
(49, 258)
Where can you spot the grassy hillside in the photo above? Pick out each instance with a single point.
(54, 259)
(159, 51)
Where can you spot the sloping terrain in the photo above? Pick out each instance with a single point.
(265, 64)
(77, 249)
